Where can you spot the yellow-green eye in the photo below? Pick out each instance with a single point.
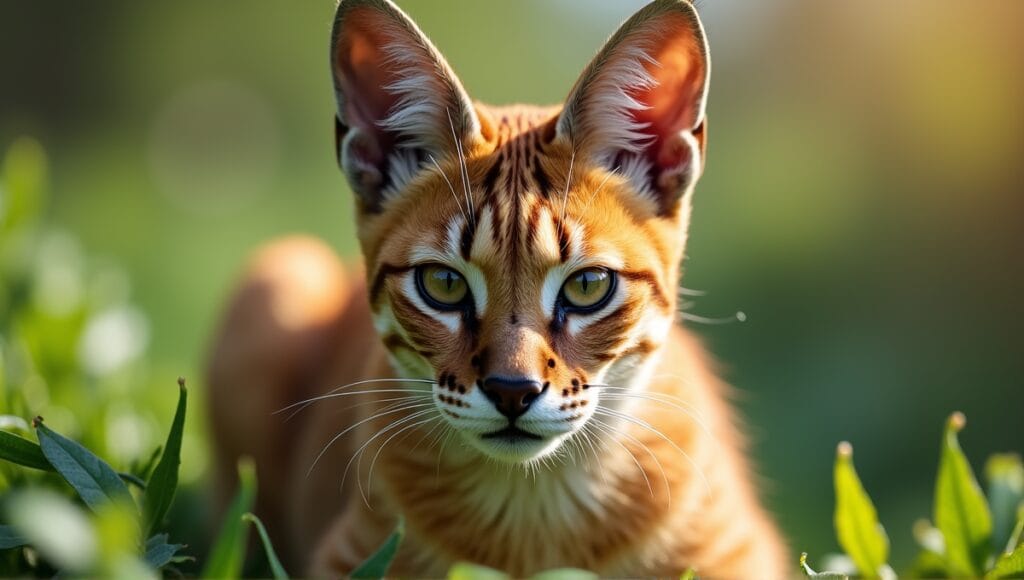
(441, 286)
(587, 289)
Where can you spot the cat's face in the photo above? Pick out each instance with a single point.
(525, 260)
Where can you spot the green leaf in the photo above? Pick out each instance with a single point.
(690, 574)
(467, 571)
(565, 574)
(275, 564)
(22, 452)
(1005, 475)
(228, 550)
(961, 513)
(164, 480)
(9, 538)
(825, 575)
(96, 482)
(159, 552)
(376, 566)
(860, 534)
(1009, 565)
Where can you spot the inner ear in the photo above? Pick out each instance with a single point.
(638, 107)
(399, 103)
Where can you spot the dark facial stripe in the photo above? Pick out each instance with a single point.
(380, 277)
(648, 277)
(466, 239)
(563, 240)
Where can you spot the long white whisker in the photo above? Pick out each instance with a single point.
(359, 452)
(568, 181)
(652, 429)
(450, 188)
(464, 169)
(312, 400)
(611, 435)
(425, 394)
(351, 427)
(369, 477)
(654, 456)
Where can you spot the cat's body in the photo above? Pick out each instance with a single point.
(552, 415)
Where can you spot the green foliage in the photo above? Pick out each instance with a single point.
(95, 481)
(860, 533)
(163, 480)
(107, 541)
(276, 569)
(961, 543)
(228, 553)
(376, 566)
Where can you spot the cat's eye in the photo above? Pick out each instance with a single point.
(442, 287)
(588, 290)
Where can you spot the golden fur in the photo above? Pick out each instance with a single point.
(641, 471)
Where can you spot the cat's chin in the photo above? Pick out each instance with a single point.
(511, 447)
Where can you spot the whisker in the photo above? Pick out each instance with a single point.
(424, 394)
(611, 435)
(652, 429)
(369, 477)
(312, 400)
(568, 181)
(450, 187)
(359, 453)
(464, 169)
(654, 456)
(351, 427)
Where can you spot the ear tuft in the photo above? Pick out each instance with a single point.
(638, 107)
(398, 100)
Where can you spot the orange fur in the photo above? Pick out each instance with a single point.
(643, 476)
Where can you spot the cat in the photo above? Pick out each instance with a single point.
(506, 373)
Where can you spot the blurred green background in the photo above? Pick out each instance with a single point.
(863, 205)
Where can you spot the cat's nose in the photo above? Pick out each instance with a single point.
(511, 396)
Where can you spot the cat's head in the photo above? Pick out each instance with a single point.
(525, 260)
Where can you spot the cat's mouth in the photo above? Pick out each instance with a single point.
(512, 434)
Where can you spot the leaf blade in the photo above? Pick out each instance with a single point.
(376, 566)
(276, 569)
(961, 511)
(10, 538)
(22, 452)
(163, 481)
(93, 479)
(860, 533)
(228, 552)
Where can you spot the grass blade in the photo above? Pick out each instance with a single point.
(275, 564)
(228, 551)
(376, 566)
(860, 534)
(22, 452)
(95, 481)
(961, 512)
(164, 480)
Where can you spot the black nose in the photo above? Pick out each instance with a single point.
(512, 397)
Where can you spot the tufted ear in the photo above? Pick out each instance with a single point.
(399, 103)
(638, 107)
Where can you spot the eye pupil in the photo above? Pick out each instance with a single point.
(442, 287)
(588, 289)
